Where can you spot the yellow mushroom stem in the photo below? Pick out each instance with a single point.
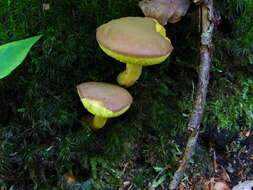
(98, 122)
(130, 75)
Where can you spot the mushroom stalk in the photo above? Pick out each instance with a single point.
(98, 122)
(130, 75)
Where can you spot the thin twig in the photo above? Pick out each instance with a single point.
(199, 104)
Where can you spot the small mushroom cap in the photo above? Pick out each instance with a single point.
(139, 37)
(246, 185)
(108, 96)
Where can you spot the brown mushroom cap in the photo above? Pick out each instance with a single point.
(110, 96)
(134, 36)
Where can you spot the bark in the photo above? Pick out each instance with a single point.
(207, 23)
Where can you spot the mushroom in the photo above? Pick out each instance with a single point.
(136, 41)
(164, 10)
(246, 185)
(104, 101)
(220, 185)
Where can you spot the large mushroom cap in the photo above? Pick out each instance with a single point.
(138, 37)
(108, 96)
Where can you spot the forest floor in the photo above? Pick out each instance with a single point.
(216, 160)
(44, 140)
(230, 162)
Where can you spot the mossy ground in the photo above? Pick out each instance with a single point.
(42, 133)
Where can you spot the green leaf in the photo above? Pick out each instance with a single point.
(12, 54)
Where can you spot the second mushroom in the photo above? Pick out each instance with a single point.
(104, 101)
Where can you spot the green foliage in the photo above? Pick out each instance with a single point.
(237, 35)
(231, 102)
(42, 132)
(233, 110)
(12, 54)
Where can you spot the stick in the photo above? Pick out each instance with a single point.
(199, 104)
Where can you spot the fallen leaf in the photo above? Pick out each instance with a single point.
(247, 134)
(181, 187)
(69, 178)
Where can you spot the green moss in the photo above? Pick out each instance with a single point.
(42, 133)
(231, 107)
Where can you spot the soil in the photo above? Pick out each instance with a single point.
(219, 157)
(224, 157)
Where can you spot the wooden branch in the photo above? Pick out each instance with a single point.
(207, 23)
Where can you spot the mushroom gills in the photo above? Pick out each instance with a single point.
(133, 65)
(101, 114)
(97, 109)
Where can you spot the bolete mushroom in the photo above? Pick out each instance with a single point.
(136, 41)
(164, 10)
(104, 101)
